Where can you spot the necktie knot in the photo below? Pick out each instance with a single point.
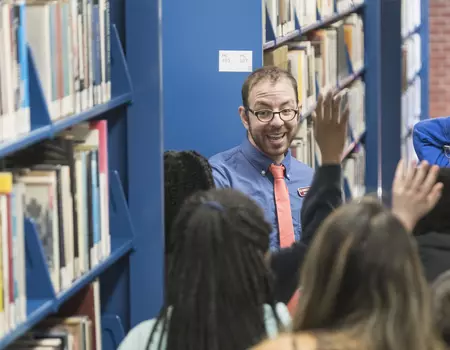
(277, 171)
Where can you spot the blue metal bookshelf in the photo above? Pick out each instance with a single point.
(113, 271)
(144, 148)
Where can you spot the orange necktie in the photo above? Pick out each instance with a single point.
(283, 205)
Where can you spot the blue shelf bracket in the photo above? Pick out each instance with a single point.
(121, 226)
(40, 288)
(39, 114)
(120, 75)
(112, 328)
(298, 24)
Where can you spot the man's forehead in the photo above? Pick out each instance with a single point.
(267, 90)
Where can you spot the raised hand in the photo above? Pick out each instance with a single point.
(415, 192)
(330, 126)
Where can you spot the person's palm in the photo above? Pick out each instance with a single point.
(330, 127)
(415, 192)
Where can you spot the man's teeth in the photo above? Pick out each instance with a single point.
(276, 137)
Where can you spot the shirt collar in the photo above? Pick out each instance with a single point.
(260, 161)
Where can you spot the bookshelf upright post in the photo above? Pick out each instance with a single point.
(145, 156)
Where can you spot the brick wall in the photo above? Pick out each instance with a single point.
(439, 58)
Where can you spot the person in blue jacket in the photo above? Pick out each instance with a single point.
(431, 139)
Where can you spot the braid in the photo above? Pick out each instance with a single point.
(218, 279)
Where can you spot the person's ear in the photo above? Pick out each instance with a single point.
(244, 116)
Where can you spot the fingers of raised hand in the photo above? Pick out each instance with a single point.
(434, 195)
(399, 173)
(419, 177)
(409, 175)
(328, 106)
(336, 109)
(430, 180)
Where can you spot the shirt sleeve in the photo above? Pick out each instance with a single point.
(429, 138)
(322, 198)
(220, 179)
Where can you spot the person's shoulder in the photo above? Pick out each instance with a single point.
(138, 336)
(301, 168)
(224, 156)
(431, 123)
(287, 341)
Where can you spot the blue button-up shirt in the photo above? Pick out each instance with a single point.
(246, 169)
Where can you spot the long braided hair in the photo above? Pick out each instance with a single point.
(218, 278)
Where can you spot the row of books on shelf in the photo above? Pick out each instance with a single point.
(322, 59)
(411, 113)
(411, 104)
(410, 16)
(70, 43)
(411, 81)
(60, 184)
(281, 15)
(411, 58)
(77, 325)
(305, 149)
(304, 146)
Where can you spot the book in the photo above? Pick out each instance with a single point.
(70, 44)
(60, 184)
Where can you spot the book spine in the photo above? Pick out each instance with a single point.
(108, 49)
(24, 121)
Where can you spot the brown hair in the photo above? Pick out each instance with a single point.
(271, 73)
(362, 277)
(441, 305)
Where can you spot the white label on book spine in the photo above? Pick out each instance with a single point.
(235, 61)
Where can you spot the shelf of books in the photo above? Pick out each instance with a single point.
(64, 219)
(322, 44)
(412, 73)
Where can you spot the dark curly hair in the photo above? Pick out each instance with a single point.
(185, 172)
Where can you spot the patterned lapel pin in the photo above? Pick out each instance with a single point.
(302, 191)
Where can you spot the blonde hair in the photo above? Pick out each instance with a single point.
(362, 278)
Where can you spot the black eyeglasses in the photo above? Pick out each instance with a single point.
(266, 115)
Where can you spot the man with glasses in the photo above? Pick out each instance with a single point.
(262, 165)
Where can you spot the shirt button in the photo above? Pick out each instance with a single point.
(263, 173)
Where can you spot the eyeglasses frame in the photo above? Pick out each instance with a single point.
(297, 112)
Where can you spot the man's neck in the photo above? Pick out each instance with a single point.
(277, 160)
